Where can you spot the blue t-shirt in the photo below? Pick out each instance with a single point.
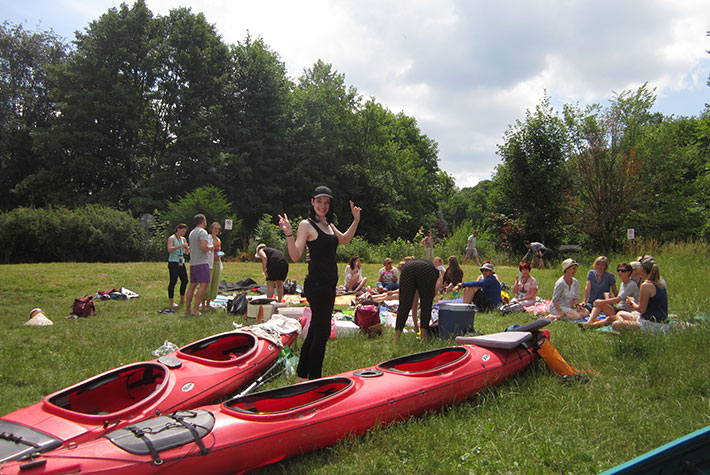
(490, 287)
(598, 288)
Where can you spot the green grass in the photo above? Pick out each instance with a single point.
(650, 389)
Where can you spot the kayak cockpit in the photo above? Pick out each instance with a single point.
(224, 348)
(427, 362)
(110, 394)
(288, 400)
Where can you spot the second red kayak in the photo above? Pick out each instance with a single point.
(259, 429)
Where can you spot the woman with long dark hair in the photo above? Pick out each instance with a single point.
(177, 249)
(322, 237)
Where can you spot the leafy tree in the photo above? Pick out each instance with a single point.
(95, 148)
(25, 102)
(674, 179)
(532, 181)
(185, 138)
(261, 173)
(469, 204)
(210, 201)
(606, 163)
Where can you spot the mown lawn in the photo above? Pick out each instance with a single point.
(648, 389)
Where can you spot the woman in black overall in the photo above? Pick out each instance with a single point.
(322, 238)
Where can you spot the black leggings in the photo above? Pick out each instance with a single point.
(321, 298)
(421, 275)
(176, 270)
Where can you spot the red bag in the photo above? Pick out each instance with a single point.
(367, 317)
(84, 307)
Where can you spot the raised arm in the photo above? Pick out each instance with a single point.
(345, 238)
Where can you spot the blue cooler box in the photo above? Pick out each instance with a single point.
(455, 319)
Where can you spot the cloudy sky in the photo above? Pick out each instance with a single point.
(466, 70)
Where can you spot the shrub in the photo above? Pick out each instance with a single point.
(92, 233)
(210, 201)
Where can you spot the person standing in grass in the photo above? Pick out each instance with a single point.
(471, 250)
(216, 261)
(322, 237)
(275, 267)
(200, 254)
(565, 297)
(177, 249)
(428, 243)
(420, 279)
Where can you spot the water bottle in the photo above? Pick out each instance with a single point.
(167, 348)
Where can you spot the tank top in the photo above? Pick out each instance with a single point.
(322, 267)
(175, 255)
(657, 308)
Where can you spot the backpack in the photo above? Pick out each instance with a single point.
(238, 305)
(84, 307)
(367, 317)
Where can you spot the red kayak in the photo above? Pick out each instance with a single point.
(196, 374)
(259, 429)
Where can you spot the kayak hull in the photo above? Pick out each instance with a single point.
(200, 373)
(259, 429)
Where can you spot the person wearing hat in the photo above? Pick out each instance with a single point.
(322, 237)
(565, 297)
(275, 268)
(418, 285)
(651, 311)
(485, 293)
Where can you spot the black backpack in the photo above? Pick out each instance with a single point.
(238, 305)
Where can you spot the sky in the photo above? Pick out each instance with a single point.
(466, 70)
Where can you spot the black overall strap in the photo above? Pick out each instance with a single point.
(193, 431)
(140, 433)
(18, 439)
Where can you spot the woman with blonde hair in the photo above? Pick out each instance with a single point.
(651, 311)
(599, 282)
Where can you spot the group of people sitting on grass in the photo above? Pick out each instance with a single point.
(640, 301)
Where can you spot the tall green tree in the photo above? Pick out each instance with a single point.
(25, 102)
(261, 173)
(532, 182)
(94, 150)
(185, 137)
(606, 164)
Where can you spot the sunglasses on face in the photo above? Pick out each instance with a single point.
(622, 270)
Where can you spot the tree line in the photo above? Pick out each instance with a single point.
(142, 110)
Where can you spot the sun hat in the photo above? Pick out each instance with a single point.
(487, 266)
(260, 246)
(635, 265)
(567, 263)
(322, 191)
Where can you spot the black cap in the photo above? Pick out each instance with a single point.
(322, 191)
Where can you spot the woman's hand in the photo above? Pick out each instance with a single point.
(285, 224)
(355, 210)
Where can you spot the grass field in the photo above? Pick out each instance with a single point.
(650, 388)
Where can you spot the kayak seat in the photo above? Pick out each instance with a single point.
(222, 347)
(290, 397)
(111, 392)
(502, 340)
(425, 361)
